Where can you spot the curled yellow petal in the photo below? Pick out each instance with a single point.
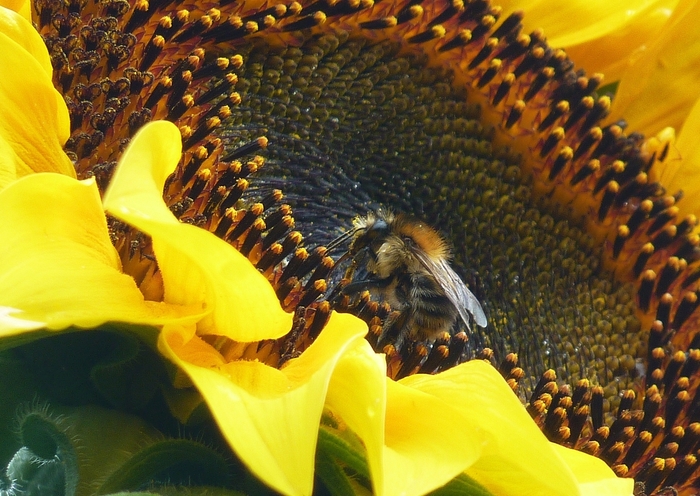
(197, 267)
(592, 474)
(578, 21)
(661, 86)
(357, 393)
(270, 417)
(683, 166)
(517, 458)
(9, 163)
(612, 51)
(21, 31)
(34, 121)
(415, 442)
(57, 265)
(604, 37)
(22, 7)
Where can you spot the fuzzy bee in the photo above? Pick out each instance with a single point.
(405, 261)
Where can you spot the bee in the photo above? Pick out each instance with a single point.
(406, 262)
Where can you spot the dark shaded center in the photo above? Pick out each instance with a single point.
(354, 125)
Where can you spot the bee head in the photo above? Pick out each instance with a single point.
(370, 232)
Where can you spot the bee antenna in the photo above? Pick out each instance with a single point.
(340, 239)
(337, 263)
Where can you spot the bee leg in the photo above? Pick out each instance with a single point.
(393, 331)
(366, 285)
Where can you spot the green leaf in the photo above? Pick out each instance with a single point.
(332, 475)
(119, 376)
(169, 460)
(610, 89)
(462, 485)
(183, 491)
(334, 443)
(109, 364)
(341, 463)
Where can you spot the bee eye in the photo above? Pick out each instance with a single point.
(380, 225)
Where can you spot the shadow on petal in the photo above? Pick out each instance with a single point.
(400, 426)
(57, 265)
(197, 267)
(270, 417)
(34, 119)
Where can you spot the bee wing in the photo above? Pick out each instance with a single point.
(458, 293)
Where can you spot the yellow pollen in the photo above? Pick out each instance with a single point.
(295, 8)
(188, 100)
(224, 112)
(237, 61)
(213, 122)
(206, 21)
(488, 21)
(166, 22)
(465, 35)
(185, 131)
(222, 63)
(619, 166)
(214, 14)
(416, 11)
(201, 152)
(204, 174)
(257, 208)
(438, 31)
(563, 106)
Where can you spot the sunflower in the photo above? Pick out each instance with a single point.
(446, 110)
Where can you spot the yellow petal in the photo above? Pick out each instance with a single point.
(402, 428)
(22, 7)
(661, 87)
(197, 267)
(682, 167)
(594, 477)
(269, 417)
(517, 459)
(612, 51)
(34, 121)
(21, 31)
(57, 265)
(579, 21)
(600, 36)
(9, 163)
(357, 393)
